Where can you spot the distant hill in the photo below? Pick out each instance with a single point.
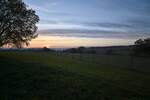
(26, 49)
(122, 50)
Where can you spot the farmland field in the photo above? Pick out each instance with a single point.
(59, 76)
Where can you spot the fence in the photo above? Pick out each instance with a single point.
(139, 63)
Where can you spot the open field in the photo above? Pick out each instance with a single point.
(51, 76)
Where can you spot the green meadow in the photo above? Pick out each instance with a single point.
(28, 75)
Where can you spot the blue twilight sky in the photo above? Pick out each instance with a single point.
(93, 18)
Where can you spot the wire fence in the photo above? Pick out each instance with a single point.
(139, 63)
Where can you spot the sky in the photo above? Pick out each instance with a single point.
(94, 20)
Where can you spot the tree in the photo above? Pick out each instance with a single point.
(142, 45)
(17, 23)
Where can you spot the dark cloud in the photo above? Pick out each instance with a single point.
(129, 17)
(139, 23)
(109, 25)
(60, 13)
(90, 33)
(75, 31)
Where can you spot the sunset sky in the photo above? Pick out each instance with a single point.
(73, 23)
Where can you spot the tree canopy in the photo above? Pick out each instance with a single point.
(17, 23)
(143, 45)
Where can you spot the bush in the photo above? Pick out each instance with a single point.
(142, 46)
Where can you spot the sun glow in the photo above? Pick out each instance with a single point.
(67, 42)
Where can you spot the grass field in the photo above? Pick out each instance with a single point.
(51, 76)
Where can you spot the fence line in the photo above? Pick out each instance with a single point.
(141, 63)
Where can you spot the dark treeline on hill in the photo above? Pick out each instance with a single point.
(140, 48)
(125, 50)
(44, 49)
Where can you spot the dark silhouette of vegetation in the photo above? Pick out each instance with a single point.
(17, 23)
(81, 50)
(142, 46)
(45, 49)
(48, 49)
(77, 50)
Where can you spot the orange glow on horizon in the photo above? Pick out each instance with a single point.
(66, 42)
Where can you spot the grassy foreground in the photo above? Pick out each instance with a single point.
(50, 76)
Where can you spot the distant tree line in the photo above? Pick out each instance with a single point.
(81, 50)
(141, 46)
